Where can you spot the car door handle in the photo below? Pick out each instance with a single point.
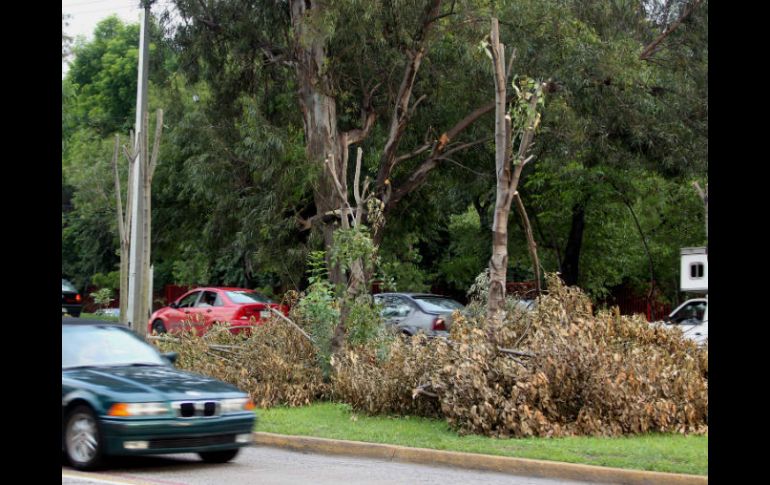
(187, 311)
(208, 311)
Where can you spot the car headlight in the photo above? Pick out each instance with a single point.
(236, 405)
(127, 409)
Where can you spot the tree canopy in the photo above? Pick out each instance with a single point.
(242, 194)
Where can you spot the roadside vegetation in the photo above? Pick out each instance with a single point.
(386, 168)
(673, 453)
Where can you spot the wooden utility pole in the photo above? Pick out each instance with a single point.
(136, 310)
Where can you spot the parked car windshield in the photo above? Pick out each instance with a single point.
(247, 297)
(67, 286)
(438, 303)
(103, 346)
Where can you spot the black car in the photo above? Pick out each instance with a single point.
(71, 301)
(120, 396)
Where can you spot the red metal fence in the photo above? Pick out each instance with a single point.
(172, 292)
(631, 303)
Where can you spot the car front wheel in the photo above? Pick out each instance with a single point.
(83, 441)
(158, 327)
(219, 456)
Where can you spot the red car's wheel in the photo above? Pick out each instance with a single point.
(158, 327)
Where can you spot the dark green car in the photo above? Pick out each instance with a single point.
(121, 397)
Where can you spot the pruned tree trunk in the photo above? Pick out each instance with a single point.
(498, 262)
(124, 221)
(507, 178)
(350, 217)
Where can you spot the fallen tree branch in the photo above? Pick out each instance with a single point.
(285, 318)
(422, 390)
(516, 352)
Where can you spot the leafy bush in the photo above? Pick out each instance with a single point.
(102, 297)
(317, 309)
(110, 280)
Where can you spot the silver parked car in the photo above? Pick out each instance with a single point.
(412, 313)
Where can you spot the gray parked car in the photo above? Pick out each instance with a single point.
(411, 313)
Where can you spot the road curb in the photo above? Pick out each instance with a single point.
(516, 466)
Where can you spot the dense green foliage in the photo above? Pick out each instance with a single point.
(621, 138)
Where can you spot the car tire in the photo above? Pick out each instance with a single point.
(83, 440)
(222, 456)
(158, 327)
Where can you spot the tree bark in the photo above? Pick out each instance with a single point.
(498, 262)
(654, 46)
(319, 115)
(124, 226)
(570, 264)
(401, 111)
(507, 179)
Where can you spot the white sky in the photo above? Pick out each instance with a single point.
(85, 14)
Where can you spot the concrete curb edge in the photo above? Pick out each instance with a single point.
(516, 466)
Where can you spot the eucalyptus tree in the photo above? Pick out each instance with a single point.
(383, 75)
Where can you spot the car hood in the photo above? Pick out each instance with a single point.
(162, 382)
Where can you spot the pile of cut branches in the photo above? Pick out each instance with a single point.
(559, 370)
(275, 363)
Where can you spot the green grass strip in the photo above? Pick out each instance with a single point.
(655, 452)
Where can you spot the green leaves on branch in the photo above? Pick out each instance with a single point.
(351, 245)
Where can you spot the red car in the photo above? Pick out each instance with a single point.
(201, 307)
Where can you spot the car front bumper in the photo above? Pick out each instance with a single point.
(175, 435)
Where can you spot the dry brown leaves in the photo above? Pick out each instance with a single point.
(385, 386)
(276, 365)
(561, 371)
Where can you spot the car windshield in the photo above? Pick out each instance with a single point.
(247, 297)
(104, 346)
(438, 303)
(67, 286)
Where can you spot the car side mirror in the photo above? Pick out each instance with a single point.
(173, 304)
(170, 356)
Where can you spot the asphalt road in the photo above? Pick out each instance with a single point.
(266, 465)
